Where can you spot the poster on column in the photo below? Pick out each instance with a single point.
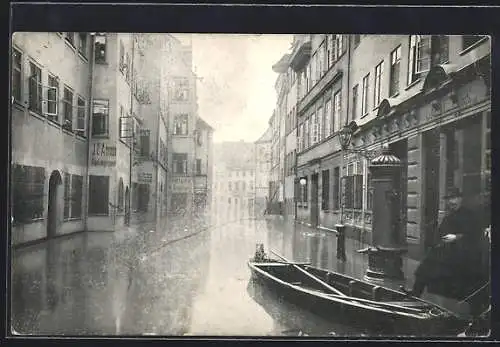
(103, 154)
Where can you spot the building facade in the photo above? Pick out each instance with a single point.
(234, 182)
(94, 131)
(262, 171)
(424, 96)
(51, 95)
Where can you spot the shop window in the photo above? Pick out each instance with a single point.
(68, 109)
(100, 118)
(17, 63)
(100, 49)
(325, 189)
(76, 196)
(180, 163)
(35, 89)
(395, 69)
(99, 195)
(181, 124)
(67, 194)
(198, 166)
(27, 193)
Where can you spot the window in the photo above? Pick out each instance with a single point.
(355, 102)
(181, 124)
(440, 49)
(337, 107)
(100, 49)
(181, 89)
(121, 64)
(395, 68)
(340, 46)
(306, 134)
(325, 189)
(319, 120)
(98, 195)
(27, 193)
(17, 63)
(237, 185)
(356, 39)
(229, 187)
(328, 118)
(68, 109)
(333, 54)
(52, 99)
(82, 47)
(145, 142)
(121, 199)
(300, 137)
(80, 116)
(369, 192)
(419, 56)
(70, 38)
(35, 89)
(180, 163)
(67, 192)
(305, 189)
(243, 185)
(312, 129)
(100, 118)
(315, 133)
(336, 190)
(377, 94)
(469, 40)
(198, 166)
(364, 100)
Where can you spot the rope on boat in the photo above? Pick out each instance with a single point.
(474, 293)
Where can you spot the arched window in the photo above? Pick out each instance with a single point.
(120, 193)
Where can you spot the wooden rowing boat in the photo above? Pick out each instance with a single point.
(336, 295)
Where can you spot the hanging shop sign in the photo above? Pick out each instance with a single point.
(103, 154)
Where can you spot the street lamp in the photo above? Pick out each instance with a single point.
(345, 136)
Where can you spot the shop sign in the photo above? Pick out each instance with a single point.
(182, 184)
(145, 177)
(103, 154)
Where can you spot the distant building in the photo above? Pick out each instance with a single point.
(262, 171)
(204, 166)
(234, 181)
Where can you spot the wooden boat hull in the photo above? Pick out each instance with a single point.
(280, 277)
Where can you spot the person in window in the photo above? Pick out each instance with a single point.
(454, 261)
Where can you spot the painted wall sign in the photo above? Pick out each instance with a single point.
(145, 177)
(182, 184)
(103, 154)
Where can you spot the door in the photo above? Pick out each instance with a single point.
(314, 200)
(55, 182)
(430, 186)
(127, 206)
(400, 150)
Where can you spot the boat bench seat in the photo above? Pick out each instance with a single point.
(406, 303)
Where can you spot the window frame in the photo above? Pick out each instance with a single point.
(17, 68)
(377, 86)
(81, 115)
(104, 106)
(394, 84)
(355, 97)
(365, 95)
(179, 119)
(67, 36)
(83, 49)
(53, 85)
(38, 108)
(98, 58)
(337, 112)
(181, 158)
(67, 123)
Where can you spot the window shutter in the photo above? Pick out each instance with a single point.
(424, 54)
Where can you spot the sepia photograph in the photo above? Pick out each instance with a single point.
(259, 185)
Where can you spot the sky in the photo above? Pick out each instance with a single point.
(236, 94)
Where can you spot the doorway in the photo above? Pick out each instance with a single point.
(127, 206)
(55, 181)
(314, 200)
(430, 186)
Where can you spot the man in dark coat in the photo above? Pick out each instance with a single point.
(454, 262)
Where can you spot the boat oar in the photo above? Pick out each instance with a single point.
(324, 284)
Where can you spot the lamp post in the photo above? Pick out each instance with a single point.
(345, 136)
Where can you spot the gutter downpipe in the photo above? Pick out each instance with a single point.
(89, 127)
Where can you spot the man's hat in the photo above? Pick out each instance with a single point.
(453, 192)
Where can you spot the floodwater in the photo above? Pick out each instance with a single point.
(181, 278)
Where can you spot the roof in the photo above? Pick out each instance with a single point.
(266, 137)
(202, 123)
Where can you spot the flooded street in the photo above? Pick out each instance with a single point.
(183, 280)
